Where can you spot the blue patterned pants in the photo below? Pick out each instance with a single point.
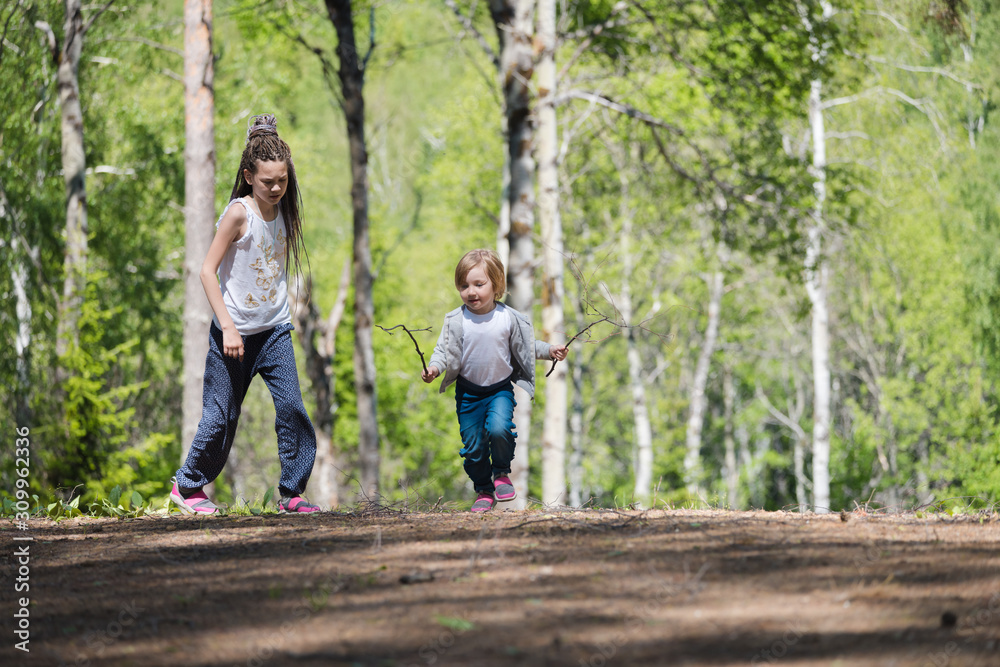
(271, 355)
(486, 421)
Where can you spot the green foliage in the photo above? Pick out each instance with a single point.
(90, 422)
(720, 181)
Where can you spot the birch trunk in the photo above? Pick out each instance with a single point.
(352, 79)
(696, 417)
(553, 322)
(975, 119)
(514, 24)
(732, 473)
(643, 435)
(22, 339)
(816, 280)
(816, 287)
(318, 340)
(576, 418)
(199, 205)
(576, 435)
(74, 166)
(799, 452)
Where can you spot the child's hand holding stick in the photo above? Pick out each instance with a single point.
(570, 341)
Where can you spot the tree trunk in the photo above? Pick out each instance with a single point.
(74, 166)
(732, 473)
(816, 280)
(575, 470)
(22, 339)
(199, 205)
(696, 418)
(975, 119)
(643, 436)
(352, 80)
(514, 24)
(553, 322)
(816, 286)
(318, 340)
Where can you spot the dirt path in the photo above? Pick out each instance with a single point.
(700, 588)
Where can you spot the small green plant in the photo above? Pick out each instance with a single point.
(455, 623)
(245, 508)
(119, 507)
(116, 505)
(61, 509)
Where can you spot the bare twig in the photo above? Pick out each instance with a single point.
(570, 341)
(468, 26)
(409, 332)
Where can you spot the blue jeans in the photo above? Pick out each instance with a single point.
(486, 421)
(271, 355)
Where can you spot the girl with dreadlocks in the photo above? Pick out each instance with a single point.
(244, 275)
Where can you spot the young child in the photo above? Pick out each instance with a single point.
(486, 348)
(257, 233)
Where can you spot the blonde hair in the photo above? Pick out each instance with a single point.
(489, 261)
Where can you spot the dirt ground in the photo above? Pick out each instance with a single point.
(385, 588)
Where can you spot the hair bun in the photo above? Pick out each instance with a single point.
(264, 123)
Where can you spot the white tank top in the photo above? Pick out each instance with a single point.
(252, 274)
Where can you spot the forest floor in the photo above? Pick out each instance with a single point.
(384, 588)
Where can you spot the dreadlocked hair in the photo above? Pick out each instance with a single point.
(264, 145)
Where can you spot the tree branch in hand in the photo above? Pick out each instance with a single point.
(409, 332)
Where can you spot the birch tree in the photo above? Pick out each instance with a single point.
(199, 207)
(817, 275)
(693, 470)
(553, 293)
(318, 338)
(514, 23)
(74, 164)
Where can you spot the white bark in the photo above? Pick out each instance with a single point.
(22, 339)
(318, 340)
(575, 469)
(731, 471)
(514, 23)
(816, 281)
(816, 288)
(74, 166)
(972, 124)
(696, 415)
(553, 322)
(643, 436)
(199, 206)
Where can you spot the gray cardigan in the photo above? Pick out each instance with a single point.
(524, 349)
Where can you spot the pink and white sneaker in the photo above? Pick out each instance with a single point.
(196, 503)
(505, 491)
(484, 502)
(294, 505)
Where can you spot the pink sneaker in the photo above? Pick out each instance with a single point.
(294, 505)
(484, 502)
(504, 489)
(196, 503)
